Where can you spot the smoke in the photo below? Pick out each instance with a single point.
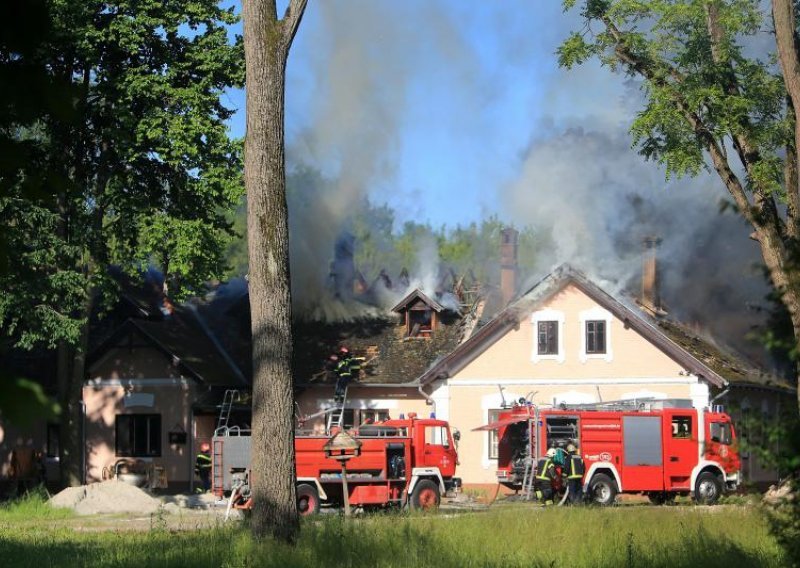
(543, 146)
(361, 68)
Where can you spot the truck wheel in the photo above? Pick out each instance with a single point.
(603, 490)
(707, 488)
(425, 495)
(307, 500)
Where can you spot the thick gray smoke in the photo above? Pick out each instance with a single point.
(576, 181)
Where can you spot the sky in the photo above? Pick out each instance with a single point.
(450, 111)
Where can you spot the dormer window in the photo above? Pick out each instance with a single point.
(420, 313)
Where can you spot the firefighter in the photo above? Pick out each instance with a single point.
(354, 363)
(545, 477)
(575, 470)
(202, 466)
(343, 377)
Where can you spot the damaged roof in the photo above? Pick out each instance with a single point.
(510, 317)
(723, 360)
(391, 358)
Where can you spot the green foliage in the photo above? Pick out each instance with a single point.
(667, 42)
(519, 535)
(139, 171)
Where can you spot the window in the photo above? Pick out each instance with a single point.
(595, 337)
(494, 436)
(721, 433)
(436, 436)
(373, 416)
(52, 440)
(682, 427)
(420, 322)
(138, 435)
(548, 338)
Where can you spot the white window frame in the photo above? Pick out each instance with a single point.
(547, 315)
(596, 314)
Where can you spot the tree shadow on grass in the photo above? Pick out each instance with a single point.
(400, 540)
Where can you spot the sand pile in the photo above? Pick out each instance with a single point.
(106, 497)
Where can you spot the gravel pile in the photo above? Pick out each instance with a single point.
(106, 497)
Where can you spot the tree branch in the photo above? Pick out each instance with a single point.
(291, 21)
(647, 71)
(783, 17)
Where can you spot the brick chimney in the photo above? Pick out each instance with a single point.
(508, 264)
(650, 299)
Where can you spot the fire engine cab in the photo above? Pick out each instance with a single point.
(661, 448)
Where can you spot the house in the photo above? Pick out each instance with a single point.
(156, 379)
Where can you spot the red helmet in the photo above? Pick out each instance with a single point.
(333, 358)
(344, 351)
(205, 447)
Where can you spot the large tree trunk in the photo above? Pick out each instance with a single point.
(71, 370)
(273, 468)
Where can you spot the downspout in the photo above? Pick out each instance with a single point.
(720, 395)
(428, 399)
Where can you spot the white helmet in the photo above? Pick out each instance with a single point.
(551, 453)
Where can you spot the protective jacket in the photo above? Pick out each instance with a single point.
(202, 463)
(575, 467)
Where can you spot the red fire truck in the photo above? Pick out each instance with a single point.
(404, 461)
(661, 448)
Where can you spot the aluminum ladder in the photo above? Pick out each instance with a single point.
(230, 397)
(336, 416)
(528, 479)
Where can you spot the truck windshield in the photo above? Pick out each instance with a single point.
(721, 432)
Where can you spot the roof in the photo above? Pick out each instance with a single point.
(723, 360)
(510, 318)
(182, 338)
(417, 294)
(391, 358)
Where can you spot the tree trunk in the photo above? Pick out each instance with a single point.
(272, 462)
(71, 372)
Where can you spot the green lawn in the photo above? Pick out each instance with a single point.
(518, 535)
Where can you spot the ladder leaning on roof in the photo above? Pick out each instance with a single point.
(336, 414)
(231, 396)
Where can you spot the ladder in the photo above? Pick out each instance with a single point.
(336, 415)
(230, 397)
(528, 479)
(217, 469)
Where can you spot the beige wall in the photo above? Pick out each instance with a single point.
(116, 387)
(631, 354)
(633, 367)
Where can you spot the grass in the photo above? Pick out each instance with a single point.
(508, 536)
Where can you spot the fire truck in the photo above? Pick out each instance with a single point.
(661, 448)
(407, 461)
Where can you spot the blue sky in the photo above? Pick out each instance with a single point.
(449, 110)
(472, 78)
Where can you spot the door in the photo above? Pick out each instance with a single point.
(437, 452)
(680, 448)
(642, 456)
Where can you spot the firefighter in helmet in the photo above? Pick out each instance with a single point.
(353, 363)
(202, 466)
(343, 376)
(575, 470)
(545, 477)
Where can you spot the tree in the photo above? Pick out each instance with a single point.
(267, 43)
(141, 174)
(713, 105)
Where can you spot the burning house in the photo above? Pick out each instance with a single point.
(157, 378)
